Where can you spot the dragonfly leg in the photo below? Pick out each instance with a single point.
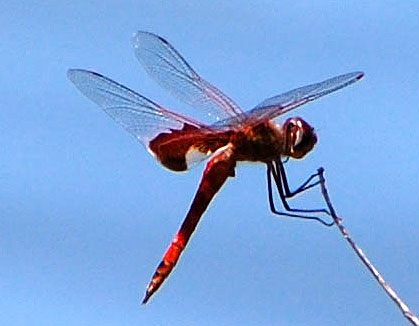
(284, 194)
(279, 169)
(216, 173)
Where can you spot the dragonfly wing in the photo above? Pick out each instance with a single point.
(280, 104)
(163, 63)
(141, 117)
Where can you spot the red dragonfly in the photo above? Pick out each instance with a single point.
(179, 142)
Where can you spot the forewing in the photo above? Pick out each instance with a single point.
(163, 63)
(141, 117)
(277, 105)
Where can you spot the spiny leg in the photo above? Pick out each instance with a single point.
(279, 183)
(275, 211)
(279, 169)
(216, 173)
(282, 183)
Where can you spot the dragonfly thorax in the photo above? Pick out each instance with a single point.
(269, 141)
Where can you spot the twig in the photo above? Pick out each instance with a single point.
(390, 292)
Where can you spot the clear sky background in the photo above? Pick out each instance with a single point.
(86, 212)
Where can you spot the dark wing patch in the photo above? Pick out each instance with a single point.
(179, 150)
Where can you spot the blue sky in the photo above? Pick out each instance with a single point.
(87, 212)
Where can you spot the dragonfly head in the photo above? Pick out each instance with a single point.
(300, 137)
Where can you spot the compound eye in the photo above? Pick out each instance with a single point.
(298, 132)
(298, 137)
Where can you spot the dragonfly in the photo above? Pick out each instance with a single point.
(179, 142)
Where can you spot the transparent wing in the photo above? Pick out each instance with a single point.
(277, 105)
(163, 63)
(140, 116)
